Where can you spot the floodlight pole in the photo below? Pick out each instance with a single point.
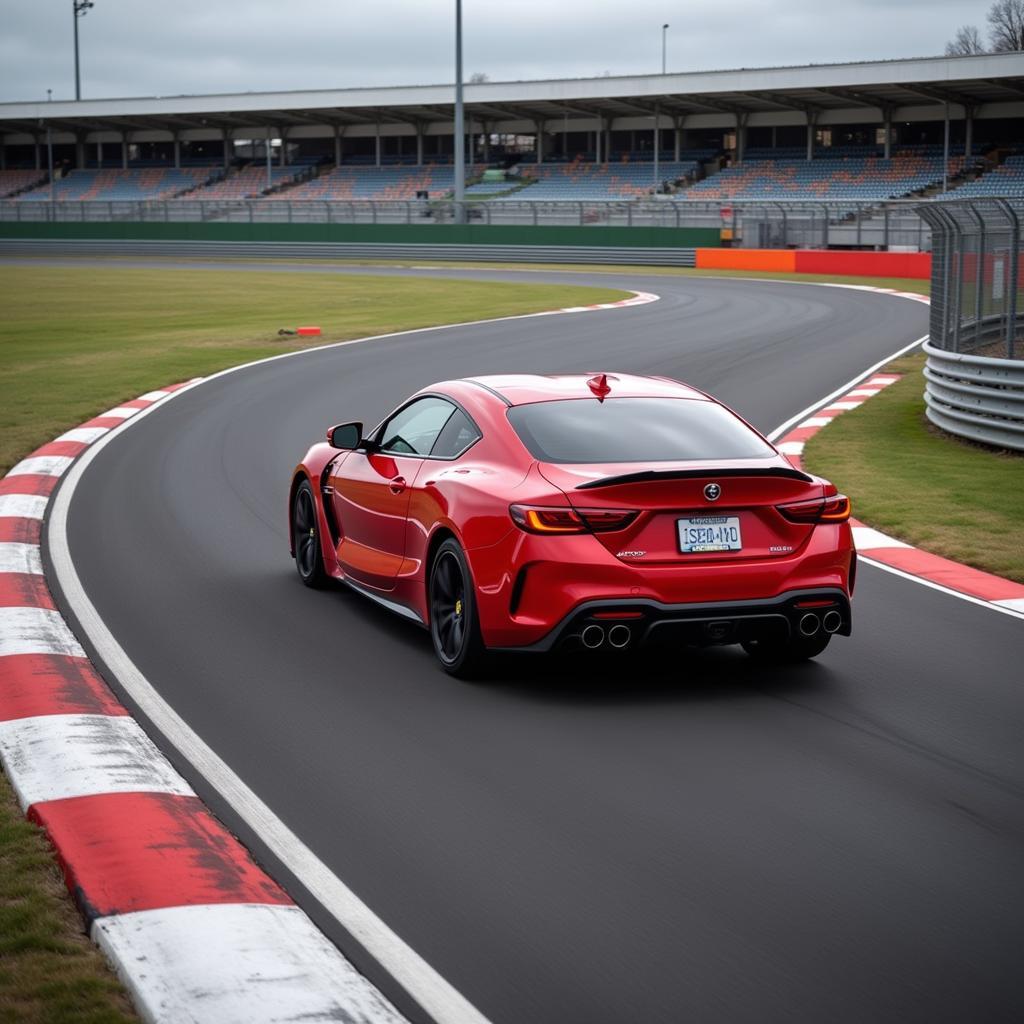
(460, 139)
(79, 9)
(664, 47)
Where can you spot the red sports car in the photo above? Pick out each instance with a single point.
(604, 511)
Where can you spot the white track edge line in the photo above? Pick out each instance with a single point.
(849, 385)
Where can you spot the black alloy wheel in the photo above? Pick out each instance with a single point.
(454, 627)
(306, 538)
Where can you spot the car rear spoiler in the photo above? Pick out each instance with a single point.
(650, 475)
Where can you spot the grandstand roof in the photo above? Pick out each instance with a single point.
(974, 81)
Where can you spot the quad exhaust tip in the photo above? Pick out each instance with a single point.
(592, 637)
(832, 621)
(619, 636)
(809, 624)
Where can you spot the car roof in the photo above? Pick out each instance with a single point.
(526, 388)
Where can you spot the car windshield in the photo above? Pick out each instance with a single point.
(634, 430)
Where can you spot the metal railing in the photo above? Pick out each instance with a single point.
(974, 375)
(747, 223)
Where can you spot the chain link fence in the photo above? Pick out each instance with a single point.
(974, 373)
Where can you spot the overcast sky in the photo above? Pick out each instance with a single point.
(149, 48)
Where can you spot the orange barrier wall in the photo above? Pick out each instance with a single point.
(819, 261)
(747, 259)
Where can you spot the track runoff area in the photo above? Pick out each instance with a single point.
(501, 831)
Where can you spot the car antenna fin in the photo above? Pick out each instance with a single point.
(599, 386)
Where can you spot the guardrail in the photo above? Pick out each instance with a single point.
(976, 397)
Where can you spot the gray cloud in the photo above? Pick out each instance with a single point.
(144, 48)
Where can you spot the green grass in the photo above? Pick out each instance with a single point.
(76, 340)
(909, 480)
(50, 973)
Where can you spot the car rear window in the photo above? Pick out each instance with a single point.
(634, 430)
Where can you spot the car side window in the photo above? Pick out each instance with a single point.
(414, 429)
(458, 434)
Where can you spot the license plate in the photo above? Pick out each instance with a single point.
(709, 533)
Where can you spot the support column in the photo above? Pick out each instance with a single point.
(887, 123)
(775, 136)
(812, 121)
(79, 151)
(124, 150)
(677, 140)
(539, 148)
(377, 145)
(741, 135)
(267, 156)
(419, 143)
(608, 140)
(39, 155)
(177, 152)
(99, 152)
(487, 141)
(969, 132)
(226, 143)
(337, 145)
(945, 151)
(3, 152)
(282, 158)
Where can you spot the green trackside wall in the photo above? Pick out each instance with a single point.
(403, 234)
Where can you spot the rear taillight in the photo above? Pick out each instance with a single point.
(833, 509)
(570, 520)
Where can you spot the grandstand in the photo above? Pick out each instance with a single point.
(845, 178)
(592, 181)
(1006, 181)
(248, 183)
(377, 183)
(152, 183)
(15, 181)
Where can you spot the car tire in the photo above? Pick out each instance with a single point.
(309, 559)
(794, 649)
(454, 622)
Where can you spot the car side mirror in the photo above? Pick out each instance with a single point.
(346, 436)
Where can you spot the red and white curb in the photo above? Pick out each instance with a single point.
(195, 928)
(887, 551)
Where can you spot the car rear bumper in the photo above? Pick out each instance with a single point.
(622, 624)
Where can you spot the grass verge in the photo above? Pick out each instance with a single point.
(76, 340)
(49, 970)
(906, 478)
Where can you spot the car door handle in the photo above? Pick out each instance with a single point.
(397, 485)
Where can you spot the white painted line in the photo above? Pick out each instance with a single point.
(1013, 603)
(36, 631)
(994, 606)
(236, 963)
(17, 557)
(791, 447)
(153, 396)
(804, 413)
(122, 412)
(844, 405)
(22, 506)
(53, 757)
(84, 435)
(817, 421)
(42, 465)
(867, 539)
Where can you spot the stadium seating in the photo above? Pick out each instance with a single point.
(15, 180)
(247, 183)
(832, 178)
(578, 181)
(1006, 181)
(114, 185)
(378, 183)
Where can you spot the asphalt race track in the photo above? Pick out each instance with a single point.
(695, 840)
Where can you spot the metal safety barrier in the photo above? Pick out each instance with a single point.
(977, 397)
(634, 255)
